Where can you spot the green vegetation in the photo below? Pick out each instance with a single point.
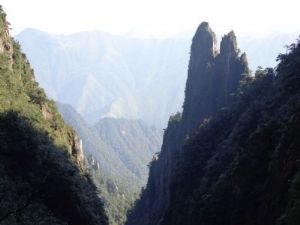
(175, 118)
(42, 180)
(240, 166)
(117, 152)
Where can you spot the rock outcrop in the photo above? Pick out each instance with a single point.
(233, 156)
(6, 47)
(212, 77)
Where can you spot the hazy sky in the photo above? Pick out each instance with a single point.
(154, 17)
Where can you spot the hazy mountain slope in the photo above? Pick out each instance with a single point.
(94, 145)
(124, 77)
(110, 75)
(42, 177)
(122, 147)
(133, 141)
(118, 152)
(116, 183)
(263, 51)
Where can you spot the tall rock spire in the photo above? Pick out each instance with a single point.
(229, 70)
(229, 45)
(203, 49)
(203, 53)
(212, 76)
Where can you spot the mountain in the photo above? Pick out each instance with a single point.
(122, 147)
(93, 145)
(43, 179)
(120, 151)
(124, 77)
(133, 140)
(110, 76)
(212, 76)
(231, 157)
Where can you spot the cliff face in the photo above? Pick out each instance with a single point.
(42, 180)
(242, 166)
(212, 77)
(233, 156)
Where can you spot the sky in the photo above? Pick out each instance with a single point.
(154, 17)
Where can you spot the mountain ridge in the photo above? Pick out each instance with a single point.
(123, 61)
(138, 70)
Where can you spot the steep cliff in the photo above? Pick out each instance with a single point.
(213, 77)
(42, 179)
(242, 166)
(240, 163)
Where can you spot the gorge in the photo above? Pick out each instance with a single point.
(231, 156)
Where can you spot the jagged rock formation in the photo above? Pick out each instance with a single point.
(242, 166)
(241, 163)
(212, 77)
(42, 178)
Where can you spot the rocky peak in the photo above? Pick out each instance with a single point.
(77, 150)
(231, 66)
(212, 76)
(203, 53)
(203, 47)
(229, 45)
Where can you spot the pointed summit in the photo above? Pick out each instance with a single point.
(212, 76)
(212, 79)
(204, 42)
(202, 59)
(229, 45)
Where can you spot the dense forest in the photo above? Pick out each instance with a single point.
(43, 179)
(232, 156)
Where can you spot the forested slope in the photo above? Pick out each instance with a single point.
(233, 156)
(43, 180)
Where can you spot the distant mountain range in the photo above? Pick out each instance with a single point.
(117, 152)
(122, 147)
(104, 75)
(263, 51)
